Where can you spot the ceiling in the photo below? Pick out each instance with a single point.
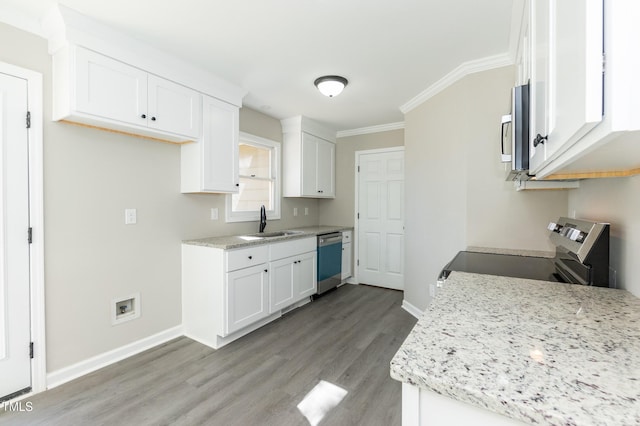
(390, 51)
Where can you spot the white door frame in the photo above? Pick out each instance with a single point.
(36, 220)
(356, 267)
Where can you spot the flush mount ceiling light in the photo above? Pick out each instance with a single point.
(330, 85)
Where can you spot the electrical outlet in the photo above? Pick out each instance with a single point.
(130, 216)
(295, 211)
(214, 213)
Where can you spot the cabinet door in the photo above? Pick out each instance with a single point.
(325, 168)
(173, 108)
(247, 297)
(309, 165)
(540, 15)
(110, 89)
(219, 146)
(306, 275)
(577, 91)
(567, 81)
(282, 283)
(346, 260)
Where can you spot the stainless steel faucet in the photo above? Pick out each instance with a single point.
(263, 218)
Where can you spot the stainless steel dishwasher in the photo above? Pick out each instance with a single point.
(329, 261)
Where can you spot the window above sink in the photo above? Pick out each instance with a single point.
(259, 171)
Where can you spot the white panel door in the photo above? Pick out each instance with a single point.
(15, 363)
(577, 89)
(173, 108)
(380, 259)
(110, 89)
(282, 284)
(325, 173)
(220, 146)
(247, 297)
(306, 275)
(309, 165)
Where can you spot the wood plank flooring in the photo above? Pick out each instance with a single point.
(347, 338)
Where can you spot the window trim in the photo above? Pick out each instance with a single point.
(274, 214)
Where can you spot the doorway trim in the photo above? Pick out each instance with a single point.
(36, 220)
(356, 266)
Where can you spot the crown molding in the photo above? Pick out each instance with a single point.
(21, 21)
(464, 69)
(371, 129)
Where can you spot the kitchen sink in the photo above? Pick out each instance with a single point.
(261, 235)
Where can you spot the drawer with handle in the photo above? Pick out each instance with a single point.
(246, 257)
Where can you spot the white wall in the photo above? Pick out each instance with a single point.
(456, 194)
(615, 201)
(340, 210)
(91, 256)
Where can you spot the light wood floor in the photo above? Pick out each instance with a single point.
(346, 338)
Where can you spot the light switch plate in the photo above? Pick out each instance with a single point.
(214, 213)
(306, 211)
(130, 216)
(295, 211)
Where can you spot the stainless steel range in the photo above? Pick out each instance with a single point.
(582, 257)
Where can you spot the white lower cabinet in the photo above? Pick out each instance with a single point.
(247, 297)
(229, 293)
(292, 278)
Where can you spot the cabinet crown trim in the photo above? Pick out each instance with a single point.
(63, 26)
(300, 124)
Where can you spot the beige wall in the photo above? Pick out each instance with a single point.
(456, 195)
(91, 257)
(615, 201)
(340, 211)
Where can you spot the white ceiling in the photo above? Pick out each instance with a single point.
(390, 51)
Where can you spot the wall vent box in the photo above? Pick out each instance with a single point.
(125, 309)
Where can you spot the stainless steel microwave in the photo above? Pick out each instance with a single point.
(519, 120)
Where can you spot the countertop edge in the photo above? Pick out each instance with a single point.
(230, 242)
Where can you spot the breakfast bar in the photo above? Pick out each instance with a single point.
(520, 351)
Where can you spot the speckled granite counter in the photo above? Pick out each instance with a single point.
(237, 241)
(514, 252)
(539, 352)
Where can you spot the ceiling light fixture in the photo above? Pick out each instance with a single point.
(330, 85)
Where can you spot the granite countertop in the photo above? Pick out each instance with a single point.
(513, 252)
(540, 352)
(237, 241)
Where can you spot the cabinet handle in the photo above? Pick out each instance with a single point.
(539, 140)
(143, 116)
(153, 119)
(320, 191)
(250, 257)
(266, 270)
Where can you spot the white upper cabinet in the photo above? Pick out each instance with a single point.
(90, 88)
(585, 108)
(567, 84)
(309, 159)
(211, 165)
(105, 88)
(173, 108)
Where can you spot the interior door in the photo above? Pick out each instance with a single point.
(15, 362)
(381, 219)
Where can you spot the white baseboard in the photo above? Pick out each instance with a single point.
(411, 309)
(64, 375)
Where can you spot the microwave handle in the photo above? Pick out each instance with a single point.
(506, 119)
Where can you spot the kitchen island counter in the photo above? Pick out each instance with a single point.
(534, 351)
